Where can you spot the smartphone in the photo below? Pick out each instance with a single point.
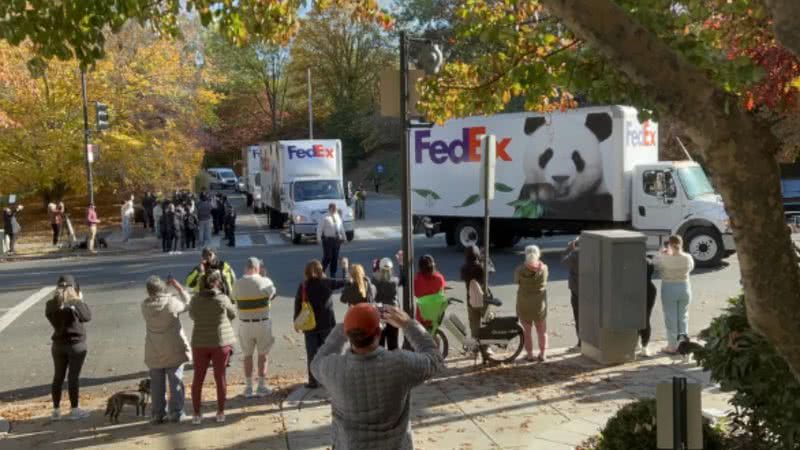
(170, 278)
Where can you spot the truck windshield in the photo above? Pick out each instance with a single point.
(695, 182)
(226, 173)
(318, 190)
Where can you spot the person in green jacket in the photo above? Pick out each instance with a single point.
(210, 262)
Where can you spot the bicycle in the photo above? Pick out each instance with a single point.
(500, 339)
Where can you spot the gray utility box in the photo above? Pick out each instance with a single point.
(612, 294)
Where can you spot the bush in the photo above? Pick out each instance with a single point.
(766, 394)
(633, 427)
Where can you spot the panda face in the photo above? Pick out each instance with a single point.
(565, 155)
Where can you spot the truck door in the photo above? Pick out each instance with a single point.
(654, 199)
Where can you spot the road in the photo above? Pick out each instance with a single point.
(114, 287)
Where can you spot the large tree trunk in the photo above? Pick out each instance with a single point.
(786, 20)
(738, 149)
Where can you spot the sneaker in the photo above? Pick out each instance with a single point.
(77, 414)
(263, 390)
(220, 418)
(197, 420)
(56, 415)
(178, 418)
(248, 391)
(646, 352)
(574, 349)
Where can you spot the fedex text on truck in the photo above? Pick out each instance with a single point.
(636, 134)
(316, 151)
(457, 151)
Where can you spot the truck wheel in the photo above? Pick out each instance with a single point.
(350, 235)
(468, 233)
(450, 237)
(296, 238)
(705, 246)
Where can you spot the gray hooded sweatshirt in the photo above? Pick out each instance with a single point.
(165, 344)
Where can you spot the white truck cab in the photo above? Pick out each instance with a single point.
(677, 195)
(308, 200)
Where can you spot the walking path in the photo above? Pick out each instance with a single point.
(554, 405)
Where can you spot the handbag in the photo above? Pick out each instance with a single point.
(475, 294)
(305, 320)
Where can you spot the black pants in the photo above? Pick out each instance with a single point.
(217, 220)
(314, 341)
(573, 299)
(330, 254)
(191, 238)
(166, 241)
(230, 230)
(389, 337)
(645, 333)
(149, 220)
(56, 232)
(67, 357)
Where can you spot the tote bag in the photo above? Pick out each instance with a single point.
(305, 321)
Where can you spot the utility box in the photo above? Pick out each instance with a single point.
(612, 294)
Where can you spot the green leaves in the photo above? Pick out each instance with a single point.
(426, 193)
(503, 187)
(527, 209)
(471, 200)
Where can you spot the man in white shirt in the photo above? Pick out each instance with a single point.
(330, 233)
(254, 293)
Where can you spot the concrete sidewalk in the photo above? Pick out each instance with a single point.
(141, 241)
(552, 405)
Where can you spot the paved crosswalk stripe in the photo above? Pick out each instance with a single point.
(243, 240)
(215, 241)
(274, 239)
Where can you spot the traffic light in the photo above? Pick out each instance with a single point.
(101, 115)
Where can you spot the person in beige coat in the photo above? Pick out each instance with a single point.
(212, 340)
(165, 348)
(532, 301)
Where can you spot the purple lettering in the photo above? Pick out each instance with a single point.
(420, 144)
(439, 152)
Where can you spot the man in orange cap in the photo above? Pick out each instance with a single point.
(369, 386)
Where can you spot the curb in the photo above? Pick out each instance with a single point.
(76, 254)
(5, 426)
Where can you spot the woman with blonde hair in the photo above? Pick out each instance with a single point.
(531, 276)
(674, 266)
(67, 313)
(317, 290)
(358, 288)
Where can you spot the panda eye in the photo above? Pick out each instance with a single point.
(580, 164)
(545, 157)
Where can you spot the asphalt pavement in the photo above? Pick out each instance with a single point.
(114, 287)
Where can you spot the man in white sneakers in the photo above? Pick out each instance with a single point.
(253, 293)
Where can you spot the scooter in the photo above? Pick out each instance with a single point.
(500, 339)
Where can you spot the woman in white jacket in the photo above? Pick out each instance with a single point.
(166, 348)
(674, 266)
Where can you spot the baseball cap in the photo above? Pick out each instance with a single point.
(364, 317)
(66, 280)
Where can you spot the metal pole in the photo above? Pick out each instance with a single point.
(486, 234)
(86, 138)
(310, 105)
(405, 196)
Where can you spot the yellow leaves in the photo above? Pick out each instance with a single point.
(795, 83)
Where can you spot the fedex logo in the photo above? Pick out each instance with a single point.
(457, 151)
(645, 134)
(316, 151)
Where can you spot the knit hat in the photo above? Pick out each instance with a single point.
(364, 317)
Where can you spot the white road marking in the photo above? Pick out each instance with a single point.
(17, 310)
(215, 241)
(243, 241)
(274, 238)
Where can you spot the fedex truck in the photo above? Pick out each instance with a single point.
(251, 175)
(299, 179)
(563, 172)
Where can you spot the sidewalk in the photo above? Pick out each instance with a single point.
(141, 241)
(555, 405)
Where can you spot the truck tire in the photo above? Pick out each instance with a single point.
(468, 232)
(350, 235)
(705, 246)
(296, 238)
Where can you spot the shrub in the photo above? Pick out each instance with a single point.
(633, 427)
(766, 395)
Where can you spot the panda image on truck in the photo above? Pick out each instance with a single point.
(561, 173)
(564, 167)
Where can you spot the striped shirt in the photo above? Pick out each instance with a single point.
(253, 294)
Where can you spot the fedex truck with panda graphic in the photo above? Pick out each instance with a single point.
(561, 173)
(299, 179)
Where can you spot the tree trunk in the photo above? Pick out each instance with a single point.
(738, 149)
(786, 20)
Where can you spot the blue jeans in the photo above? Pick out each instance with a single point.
(158, 392)
(675, 299)
(126, 228)
(205, 232)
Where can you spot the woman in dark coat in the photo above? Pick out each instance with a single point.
(473, 270)
(317, 290)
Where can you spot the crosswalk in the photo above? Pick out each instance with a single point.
(275, 238)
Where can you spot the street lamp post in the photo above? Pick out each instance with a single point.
(430, 60)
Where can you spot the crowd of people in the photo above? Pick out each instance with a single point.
(370, 383)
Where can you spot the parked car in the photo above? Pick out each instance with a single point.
(223, 178)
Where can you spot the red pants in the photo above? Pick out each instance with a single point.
(202, 356)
